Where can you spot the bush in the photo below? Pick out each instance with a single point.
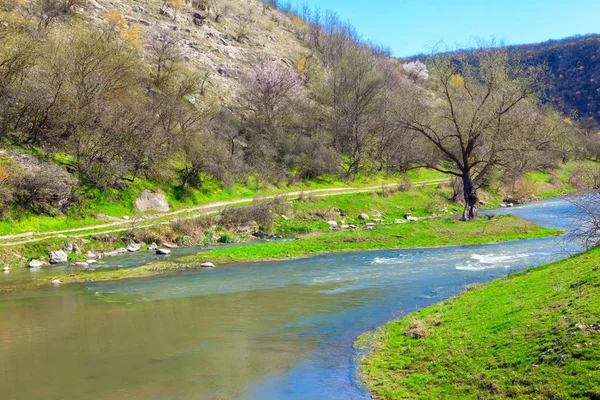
(42, 188)
(263, 213)
(417, 329)
(405, 185)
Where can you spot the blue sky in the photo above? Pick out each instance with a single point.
(410, 27)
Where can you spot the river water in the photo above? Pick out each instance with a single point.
(276, 330)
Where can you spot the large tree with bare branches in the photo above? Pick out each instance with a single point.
(471, 112)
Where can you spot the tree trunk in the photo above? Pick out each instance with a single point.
(471, 200)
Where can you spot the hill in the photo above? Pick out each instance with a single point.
(573, 84)
(575, 73)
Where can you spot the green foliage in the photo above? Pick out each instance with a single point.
(531, 335)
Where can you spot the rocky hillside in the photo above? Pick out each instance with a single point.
(221, 40)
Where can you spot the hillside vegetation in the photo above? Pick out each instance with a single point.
(202, 101)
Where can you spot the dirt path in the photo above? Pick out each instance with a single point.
(185, 213)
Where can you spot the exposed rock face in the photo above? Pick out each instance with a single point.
(151, 201)
(58, 257)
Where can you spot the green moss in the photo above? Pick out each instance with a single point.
(534, 334)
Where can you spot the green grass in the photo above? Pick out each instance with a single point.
(312, 214)
(118, 203)
(532, 335)
(424, 233)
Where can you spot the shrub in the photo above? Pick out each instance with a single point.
(405, 185)
(417, 329)
(42, 188)
(263, 213)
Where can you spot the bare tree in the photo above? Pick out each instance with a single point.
(468, 114)
(220, 10)
(241, 28)
(355, 88)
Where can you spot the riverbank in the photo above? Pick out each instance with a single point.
(423, 233)
(535, 334)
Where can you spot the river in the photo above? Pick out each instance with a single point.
(276, 330)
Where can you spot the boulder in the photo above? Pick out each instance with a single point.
(89, 262)
(35, 264)
(116, 252)
(163, 252)
(133, 247)
(5, 269)
(151, 201)
(411, 219)
(332, 224)
(81, 264)
(93, 254)
(68, 248)
(170, 245)
(55, 282)
(363, 217)
(153, 247)
(207, 265)
(58, 257)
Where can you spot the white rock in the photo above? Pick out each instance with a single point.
(153, 247)
(91, 261)
(170, 245)
(6, 269)
(55, 282)
(509, 205)
(207, 265)
(149, 200)
(58, 257)
(363, 217)
(411, 219)
(35, 264)
(332, 224)
(133, 247)
(163, 252)
(81, 264)
(126, 217)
